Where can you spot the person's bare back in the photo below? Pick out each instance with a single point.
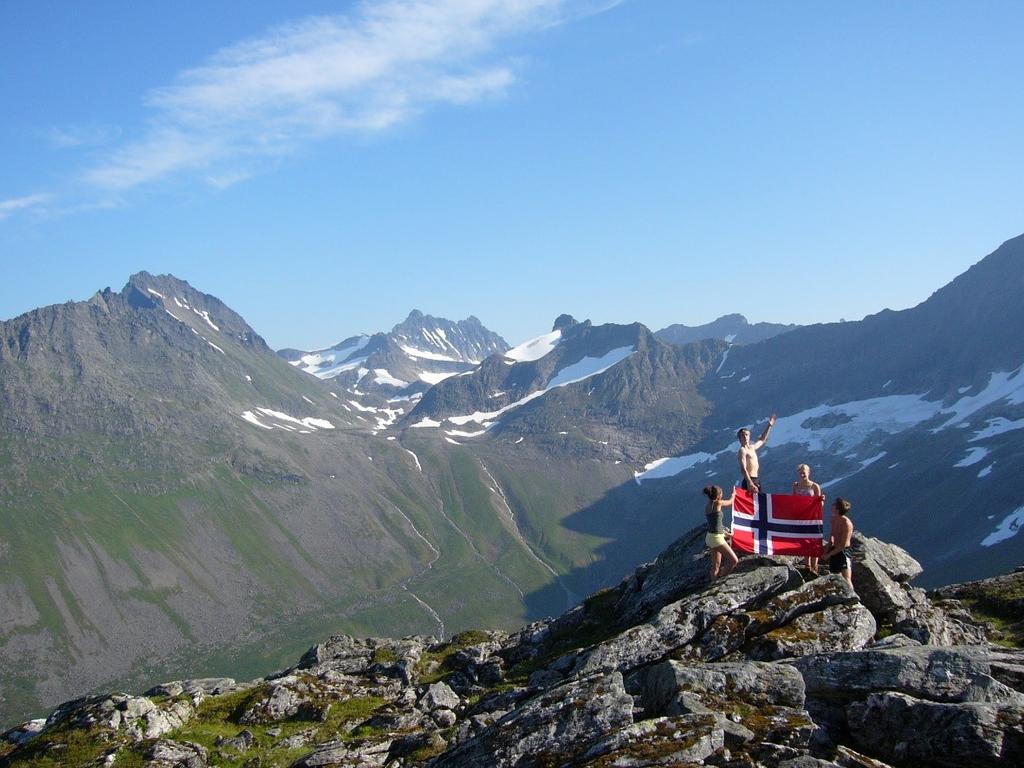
(835, 548)
(842, 531)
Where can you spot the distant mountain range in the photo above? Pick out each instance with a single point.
(417, 353)
(613, 391)
(176, 497)
(731, 328)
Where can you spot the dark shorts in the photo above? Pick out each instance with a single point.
(746, 486)
(839, 562)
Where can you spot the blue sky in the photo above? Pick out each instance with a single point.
(326, 167)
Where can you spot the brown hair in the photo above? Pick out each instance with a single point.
(713, 492)
(842, 506)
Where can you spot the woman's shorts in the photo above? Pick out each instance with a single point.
(714, 540)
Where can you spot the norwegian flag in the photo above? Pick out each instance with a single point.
(777, 524)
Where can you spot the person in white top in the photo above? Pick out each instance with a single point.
(804, 486)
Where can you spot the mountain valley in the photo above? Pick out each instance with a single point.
(178, 499)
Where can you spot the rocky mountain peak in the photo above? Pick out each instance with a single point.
(415, 315)
(764, 667)
(734, 317)
(101, 299)
(417, 353)
(152, 284)
(733, 328)
(187, 304)
(563, 322)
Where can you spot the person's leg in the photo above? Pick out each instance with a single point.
(716, 562)
(848, 575)
(812, 564)
(730, 559)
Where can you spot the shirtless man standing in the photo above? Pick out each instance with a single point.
(835, 550)
(748, 456)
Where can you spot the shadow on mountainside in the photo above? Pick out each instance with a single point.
(938, 520)
(638, 523)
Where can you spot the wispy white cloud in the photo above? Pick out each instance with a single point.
(28, 202)
(71, 136)
(322, 77)
(228, 179)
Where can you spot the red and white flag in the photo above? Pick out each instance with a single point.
(777, 524)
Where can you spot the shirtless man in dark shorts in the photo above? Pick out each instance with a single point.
(841, 528)
(747, 456)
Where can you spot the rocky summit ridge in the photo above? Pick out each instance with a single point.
(765, 667)
(733, 328)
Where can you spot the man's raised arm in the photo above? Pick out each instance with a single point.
(764, 435)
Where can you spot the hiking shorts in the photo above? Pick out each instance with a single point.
(714, 540)
(839, 562)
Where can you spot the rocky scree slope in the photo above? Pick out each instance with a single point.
(761, 668)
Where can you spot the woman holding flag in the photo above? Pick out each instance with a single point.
(717, 532)
(807, 487)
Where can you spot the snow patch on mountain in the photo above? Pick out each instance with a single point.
(998, 426)
(434, 378)
(667, 467)
(415, 458)
(331, 362)
(206, 316)
(405, 398)
(381, 376)
(534, 349)
(864, 464)
(251, 418)
(1008, 528)
(459, 433)
(309, 423)
(589, 366)
(842, 428)
(481, 417)
(422, 354)
(974, 455)
(386, 417)
(1001, 386)
(570, 374)
(725, 356)
(426, 421)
